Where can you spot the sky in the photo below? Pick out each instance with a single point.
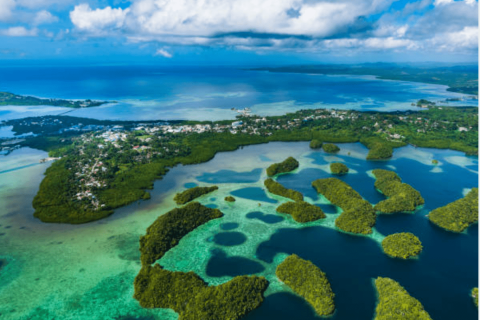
(241, 32)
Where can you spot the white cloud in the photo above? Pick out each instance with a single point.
(6, 7)
(44, 17)
(163, 53)
(18, 32)
(99, 20)
(463, 39)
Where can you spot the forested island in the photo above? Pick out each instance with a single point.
(402, 245)
(109, 164)
(230, 199)
(358, 215)
(394, 302)
(10, 99)
(338, 168)
(458, 215)
(330, 148)
(474, 295)
(308, 281)
(192, 193)
(189, 296)
(301, 211)
(276, 188)
(285, 166)
(316, 144)
(401, 196)
(169, 228)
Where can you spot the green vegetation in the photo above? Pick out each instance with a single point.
(11, 99)
(315, 144)
(394, 302)
(462, 79)
(308, 281)
(189, 296)
(167, 231)
(276, 188)
(192, 193)
(287, 165)
(401, 196)
(357, 216)
(402, 245)
(229, 199)
(424, 102)
(301, 211)
(434, 161)
(380, 148)
(458, 215)
(338, 168)
(474, 295)
(330, 148)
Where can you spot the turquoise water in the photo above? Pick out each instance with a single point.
(86, 271)
(195, 93)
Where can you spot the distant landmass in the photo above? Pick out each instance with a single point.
(10, 99)
(461, 79)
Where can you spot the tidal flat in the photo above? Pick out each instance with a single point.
(87, 271)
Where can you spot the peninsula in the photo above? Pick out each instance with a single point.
(10, 99)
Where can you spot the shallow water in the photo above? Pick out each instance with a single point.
(199, 93)
(86, 271)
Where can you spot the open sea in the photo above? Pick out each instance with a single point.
(200, 93)
(54, 271)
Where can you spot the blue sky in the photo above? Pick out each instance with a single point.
(239, 31)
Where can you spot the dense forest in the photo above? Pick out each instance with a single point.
(395, 303)
(316, 144)
(330, 148)
(358, 215)
(474, 295)
(338, 168)
(10, 99)
(402, 245)
(169, 228)
(276, 188)
(458, 215)
(285, 166)
(308, 281)
(401, 196)
(301, 211)
(192, 193)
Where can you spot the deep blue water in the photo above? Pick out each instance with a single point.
(152, 92)
(440, 278)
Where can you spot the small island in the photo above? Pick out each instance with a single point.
(230, 199)
(401, 196)
(338, 168)
(330, 148)
(315, 144)
(308, 281)
(435, 162)
(10, 99)
(458, 215)
(287, 165)
(301, 211)
(358, 215)
(167, 231)
(192, 193)
(189, 296)
(402, 245)
(474, 295)
(276, 188)
(394, 302)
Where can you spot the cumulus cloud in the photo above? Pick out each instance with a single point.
(6, 8)
(43, 17)
(99, 20)
(18, 32)
(163, 53)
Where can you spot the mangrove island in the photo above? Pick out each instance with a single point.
(402, 245)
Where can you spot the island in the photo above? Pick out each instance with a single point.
(358, 215)
(192, 193)
(309, 282)
(402, 245)
(106, 164)
(315, 144)
(394, 302)
(338, 168)
(458, 215)
(474, 295)
(189, 296)
(230, 199)
(434, 162)
(287, 165)
(10, 99)
(276, 188)
(301, 211)
(330, 148)
(401, 196)
(168, 229)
